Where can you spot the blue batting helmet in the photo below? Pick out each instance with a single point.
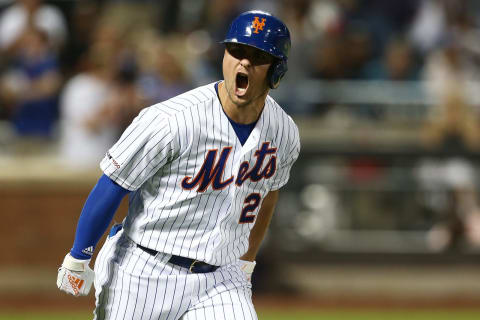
(267, 33)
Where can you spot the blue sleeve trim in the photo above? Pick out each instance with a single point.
(97, 213)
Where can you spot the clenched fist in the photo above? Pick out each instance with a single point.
(75, 276)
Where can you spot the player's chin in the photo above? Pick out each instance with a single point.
(240, 101)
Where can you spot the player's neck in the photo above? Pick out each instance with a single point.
(243, 114)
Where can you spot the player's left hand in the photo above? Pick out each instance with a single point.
(247, 267)
(75, 276)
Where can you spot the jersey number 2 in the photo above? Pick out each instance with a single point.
(252, 201)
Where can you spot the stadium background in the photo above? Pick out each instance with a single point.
(382, 210)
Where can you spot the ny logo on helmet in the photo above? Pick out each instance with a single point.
(257, 25)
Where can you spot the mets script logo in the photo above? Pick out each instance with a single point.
(257, 25)
(212, 170)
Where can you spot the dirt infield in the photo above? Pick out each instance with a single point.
(62, 302)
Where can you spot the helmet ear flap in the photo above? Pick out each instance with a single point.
(276, 72)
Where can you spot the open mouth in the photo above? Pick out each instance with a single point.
(241, 81)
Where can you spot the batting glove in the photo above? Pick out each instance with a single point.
(75, 276)
(247, 267)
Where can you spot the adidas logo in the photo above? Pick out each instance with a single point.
(76, 283)
(88, 250)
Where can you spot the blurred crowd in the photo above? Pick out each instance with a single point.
(76, 72)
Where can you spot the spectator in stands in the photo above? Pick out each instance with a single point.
(456, 132)
(398, 63)
(429, 26)
(25, 14)
(341, 54)
(327, 60)
(453, 126)
(163, 77)
(30, 85)
(449, 73)
(87, 128)
(457, 223)
(126, 99)
(83, 28)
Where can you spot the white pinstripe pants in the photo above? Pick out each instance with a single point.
(132, 284)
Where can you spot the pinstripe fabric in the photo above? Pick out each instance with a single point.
(131, 284)
(196, 193)
(170, 141)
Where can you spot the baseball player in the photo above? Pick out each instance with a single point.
(202, 172)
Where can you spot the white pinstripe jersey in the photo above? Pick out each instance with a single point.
(197, 189)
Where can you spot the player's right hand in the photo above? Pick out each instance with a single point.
(75, 276)
(247, 267)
